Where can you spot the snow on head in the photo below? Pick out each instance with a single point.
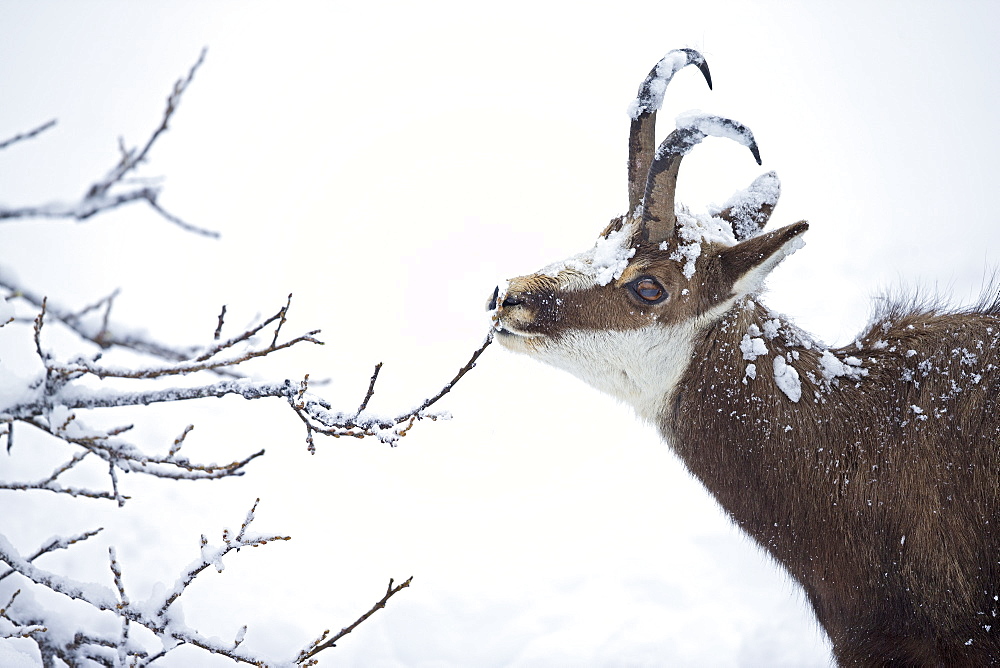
(604, 262)
(745, 206)
(693, 231)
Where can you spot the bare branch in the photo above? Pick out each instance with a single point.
(114, 484)
(318, 417)
(30, 134)
(131, 158)
(458, 376)
(104, 336)
(38, 330)
(315, 413)
(222, 319)
(179, 222)
(322, 643)
(213, 557)
(81, 366)
(109, 398)
(282, 317)
(100, 196)
(50, 485)
(65, 386)
(116, 572)
(58, 489)
(179, 441)
(371, 390)
(129, 458)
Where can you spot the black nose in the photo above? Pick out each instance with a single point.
(507, 300)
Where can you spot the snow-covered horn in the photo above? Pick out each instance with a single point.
(658, 216)
(641, 140)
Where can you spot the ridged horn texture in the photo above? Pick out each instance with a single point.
(658, 217)
(642, 140)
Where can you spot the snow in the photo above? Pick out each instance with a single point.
(650, 97)
(765, 190)
(495, 513)
(19, 653)
(752, 347)
(96, 594)
(710, 125)
(787, 379)
(831, 367)
(604, 262)
(17, 389)
(211, 555)
(693, 231)
(772, 328)
(798, 243)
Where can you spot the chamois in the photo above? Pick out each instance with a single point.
(869, 472)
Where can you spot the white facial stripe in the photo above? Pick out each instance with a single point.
(640, 367)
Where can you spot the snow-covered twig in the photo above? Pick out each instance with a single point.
(57, 543)
(212, 556)
(49, 403)
(102, 195)
(319, 418)
(104, 334)
(49, 484)
(52, 401)
(156, 614)
(55, 402)
(12, 629)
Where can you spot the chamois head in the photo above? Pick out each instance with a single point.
(656, 275)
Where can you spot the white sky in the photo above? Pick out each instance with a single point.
(389, 163)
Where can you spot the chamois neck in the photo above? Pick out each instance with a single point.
(753, 354)
(756, 395)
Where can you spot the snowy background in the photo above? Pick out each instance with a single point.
(388, 163)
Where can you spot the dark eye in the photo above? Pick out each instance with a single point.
(648, 290)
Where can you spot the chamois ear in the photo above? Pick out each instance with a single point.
(749, 210)
(746, 264)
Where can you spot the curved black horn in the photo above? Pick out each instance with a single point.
(658, 216)
(642, 139)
